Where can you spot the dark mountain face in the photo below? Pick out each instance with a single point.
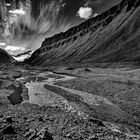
(110, 37)
(5, 57)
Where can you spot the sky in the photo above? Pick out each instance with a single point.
(27, 22)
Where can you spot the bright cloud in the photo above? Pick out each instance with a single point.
(85, 12)
(8, 4)
(2, 44)
(17, 12)
(14, 48)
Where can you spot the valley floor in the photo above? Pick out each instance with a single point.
(66, 103)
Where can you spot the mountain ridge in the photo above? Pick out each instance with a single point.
(5, 57)
(96, 33)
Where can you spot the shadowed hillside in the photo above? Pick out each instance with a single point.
(113, 36)
(5, 57)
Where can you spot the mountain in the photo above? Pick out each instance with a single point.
(22, 56)
(113, 36)
(5, 57)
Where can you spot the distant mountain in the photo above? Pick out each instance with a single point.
(5, 57)
(113, 36)
(22, 56)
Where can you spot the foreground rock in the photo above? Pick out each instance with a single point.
(87, 107)
(57, 125)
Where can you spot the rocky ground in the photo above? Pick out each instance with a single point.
(69, 103)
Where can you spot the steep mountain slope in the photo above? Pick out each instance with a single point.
(110, 37)
(5, 57)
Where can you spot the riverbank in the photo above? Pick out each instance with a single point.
(69, 104)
